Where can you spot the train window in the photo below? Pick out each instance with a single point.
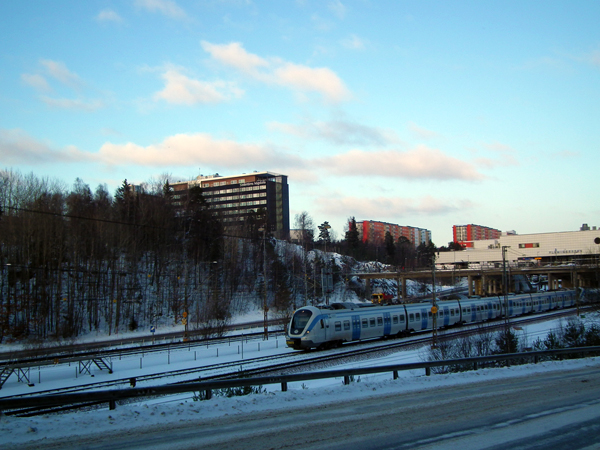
(394, 319)
(464, 310)
(300, 319)
(338, 326)
(452, 313)
(401, 317)
(346, 324)
(411, 317)
(372, 321)
(441, 314)
(365, 323)
(417, 316)
(379, 321)
(429, 314)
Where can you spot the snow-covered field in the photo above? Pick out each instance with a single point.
(14, 431)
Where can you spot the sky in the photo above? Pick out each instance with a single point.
(419, 113)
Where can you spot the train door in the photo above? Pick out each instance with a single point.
(325, 328)
(424, 319)
(387, 324)
(446, 318)
(355, 328)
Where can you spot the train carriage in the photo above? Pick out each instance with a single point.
(312, 327)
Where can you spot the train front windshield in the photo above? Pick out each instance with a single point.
(300, 320)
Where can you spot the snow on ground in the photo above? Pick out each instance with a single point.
(181, 408)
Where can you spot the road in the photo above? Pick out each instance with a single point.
(553, 410)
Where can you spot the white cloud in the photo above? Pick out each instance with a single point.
(36, 81)
(364, 207)
(276, 71)
(337, 8)
(180, 89)
(566, 154)
(17, 147)
(234, 55)
(353, 42)
(59, 71)
(165, 7)
(108, 15)
(419, 163)
(594, 58)
(339, 132)
(186, 150)
(503, 156)
(421, 132)
(321, 79)
(78, 104)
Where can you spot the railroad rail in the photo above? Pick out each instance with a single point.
(277, 365)
(25, 406)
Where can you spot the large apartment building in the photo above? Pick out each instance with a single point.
(374, 232)
(466, 234)
(237, 197)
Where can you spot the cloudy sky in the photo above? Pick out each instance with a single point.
(420, 113)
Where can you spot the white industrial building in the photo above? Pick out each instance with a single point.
(569, 247)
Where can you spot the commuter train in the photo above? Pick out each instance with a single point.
(331, 326)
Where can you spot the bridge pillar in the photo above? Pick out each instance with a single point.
(470, 283)
(478, 287)
(368, 288)
(404, 294)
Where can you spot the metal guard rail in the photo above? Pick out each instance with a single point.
(112, 396)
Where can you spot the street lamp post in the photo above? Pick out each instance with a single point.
(507, 336)
(265, 307)
(434, 309)
(325, 280)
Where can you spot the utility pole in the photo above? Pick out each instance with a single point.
(325, 278)
(265, 307)
(507, 337)
(505, 282)
(434, 309)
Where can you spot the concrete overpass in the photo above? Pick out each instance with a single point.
(489, 281)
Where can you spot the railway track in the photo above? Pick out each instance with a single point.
(277, 364)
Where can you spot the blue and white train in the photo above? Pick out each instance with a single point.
(331, 326)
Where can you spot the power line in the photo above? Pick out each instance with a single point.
(95, 219)
(72, 216)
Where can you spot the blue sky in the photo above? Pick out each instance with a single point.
(421, 113)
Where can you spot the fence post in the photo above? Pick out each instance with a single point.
(112, 404)
(428, 371)
(475, 365)
(346, 379)
(395, 374)
(284, 386)
(208, 394)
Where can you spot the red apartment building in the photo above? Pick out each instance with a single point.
(466, 234)
(374, 232)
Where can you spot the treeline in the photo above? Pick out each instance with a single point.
(75, 261)
(572, 334)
